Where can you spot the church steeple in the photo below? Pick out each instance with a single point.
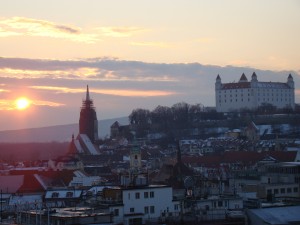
(88, 123)
(87, 93)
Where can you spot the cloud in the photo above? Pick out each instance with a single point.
(42, 28)
(46, 103)
(120, 31)
(100, 70)
(8, 104)
(7, 33)
(162, 83)
(116, 92)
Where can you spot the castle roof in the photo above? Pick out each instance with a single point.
(272, 85)
(243, 78)
(240, 85)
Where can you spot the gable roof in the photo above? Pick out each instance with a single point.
(243, 78)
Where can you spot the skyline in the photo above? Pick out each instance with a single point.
(136, 54)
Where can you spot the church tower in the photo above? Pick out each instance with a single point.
(135, 159)
(88, 123)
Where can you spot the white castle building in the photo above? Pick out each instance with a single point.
(252, 94)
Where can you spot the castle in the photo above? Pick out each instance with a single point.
(250, 95)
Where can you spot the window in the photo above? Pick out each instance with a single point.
(69, 194)
(152, 209)
(282, 190)
(289, 190)
(116, 212)
(146, 194)
(151, 194)
(132, 210)
(137, 195)
(295, 189)
(146, 210)
(269, 191)
(276, 191)
(55, 195)
(220, 203)
(176, 207)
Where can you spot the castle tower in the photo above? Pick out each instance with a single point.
(88, 123)
(254, 77)
(218, 87)
(218, 83)
(290, 81)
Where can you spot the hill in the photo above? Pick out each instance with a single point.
(59, 133)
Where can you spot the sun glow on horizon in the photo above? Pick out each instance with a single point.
(22, 103)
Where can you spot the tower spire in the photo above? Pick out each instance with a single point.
(87, 93)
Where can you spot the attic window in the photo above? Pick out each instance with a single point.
(55, 195)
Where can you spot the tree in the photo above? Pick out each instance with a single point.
(140, 121)
(140, 117)
(195, 113)
(266, 108)
(180, 113)
(161, 118)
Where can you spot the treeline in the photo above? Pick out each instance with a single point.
(166, 119)
(181, 119)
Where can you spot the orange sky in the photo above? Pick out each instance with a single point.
(136, 53)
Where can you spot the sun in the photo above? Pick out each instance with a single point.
(22, 103)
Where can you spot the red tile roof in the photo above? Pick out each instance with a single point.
(239, 85)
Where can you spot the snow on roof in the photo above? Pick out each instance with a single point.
(264, 129)
(88, 144)
(278, 215)
(78, 173)
(96, 189)
(78, 146)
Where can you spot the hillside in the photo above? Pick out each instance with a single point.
(60, 133)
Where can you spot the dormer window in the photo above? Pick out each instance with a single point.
(69, 194)
(55, 195)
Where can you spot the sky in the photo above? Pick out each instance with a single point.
(136, 54)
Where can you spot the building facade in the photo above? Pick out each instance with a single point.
(147, 203)
(246, 94)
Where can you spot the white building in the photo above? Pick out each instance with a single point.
(148, 203)
(252, 94)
